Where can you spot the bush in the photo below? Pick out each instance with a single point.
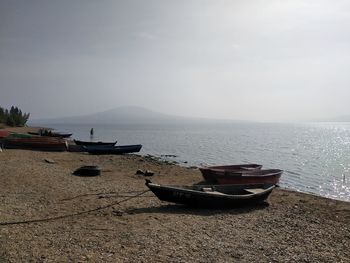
(13, 117)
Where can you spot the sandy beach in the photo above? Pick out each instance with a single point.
(290, 227)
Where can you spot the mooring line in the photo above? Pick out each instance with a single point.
(70, 215)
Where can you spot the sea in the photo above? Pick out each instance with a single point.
(315, 157)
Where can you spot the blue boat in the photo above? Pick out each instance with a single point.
(103, 149)
(87, 143)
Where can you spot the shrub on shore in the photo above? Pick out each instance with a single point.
(13, 117)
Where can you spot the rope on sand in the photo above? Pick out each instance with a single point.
(70, 215)
(101, 193)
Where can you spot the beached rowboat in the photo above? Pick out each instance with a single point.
(35, 143)
(214, 196)
(210, 172)
(86, 143)
(52, 134)
(102, 149)
(267, 176)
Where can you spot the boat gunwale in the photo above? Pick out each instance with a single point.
(243, 173)
(230, 167)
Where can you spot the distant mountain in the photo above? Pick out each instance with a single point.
(127, 114)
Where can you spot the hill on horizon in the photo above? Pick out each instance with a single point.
(136, 114)
(125, 114)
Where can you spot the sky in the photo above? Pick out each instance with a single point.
(258, 60)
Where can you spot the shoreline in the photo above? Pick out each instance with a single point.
(161, 158)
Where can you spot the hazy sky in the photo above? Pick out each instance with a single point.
(267, 60)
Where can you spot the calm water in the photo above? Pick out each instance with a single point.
(314, 156)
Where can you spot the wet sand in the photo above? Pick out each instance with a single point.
(290, 227)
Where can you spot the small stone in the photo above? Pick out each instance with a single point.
(149, 173)
(49, 160)
(139, 171)
(117, 213)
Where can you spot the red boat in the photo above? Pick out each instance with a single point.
(4, 134)
(210, 173)
(36, 143)
(268, 176)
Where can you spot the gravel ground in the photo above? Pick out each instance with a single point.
(290, 227)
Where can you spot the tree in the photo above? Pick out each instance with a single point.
(13, 117)
(2, 115)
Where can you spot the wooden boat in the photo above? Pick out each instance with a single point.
(20, 135)
(209, 172)
(61, 135)
(86, 143)
(4, 134)
(215, 196)
(267, 176)
(36, 143)
(102, 149)
(52, 134)
(34, 133)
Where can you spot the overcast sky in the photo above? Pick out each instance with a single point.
(268, 60)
